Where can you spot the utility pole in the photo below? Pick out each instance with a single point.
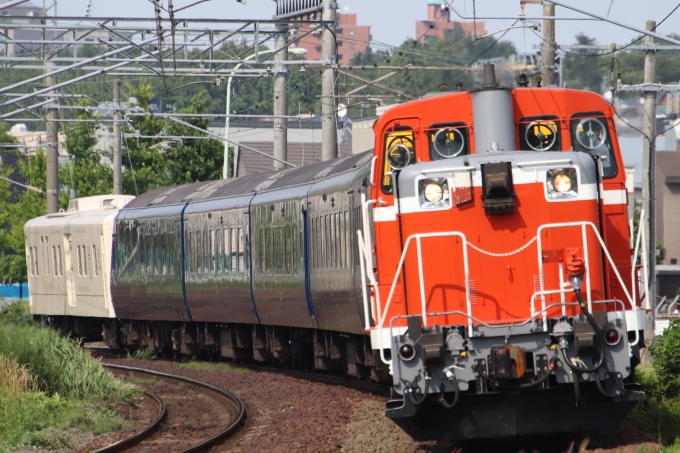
(52, 152)
(117, 157)
(649, 164)
(329, 132)
(548, 53)
(281, 96)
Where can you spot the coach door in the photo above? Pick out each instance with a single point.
(397, 150)
(70, 277)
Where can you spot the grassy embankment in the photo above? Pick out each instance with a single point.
(50, 385)
(659, 413)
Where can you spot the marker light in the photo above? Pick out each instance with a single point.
(612, 337)
(433, 192)
(407, 352)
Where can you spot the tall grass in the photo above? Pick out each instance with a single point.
(49, 381)
(60, 364)
(15, 379)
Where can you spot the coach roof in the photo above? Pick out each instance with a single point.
(249, 184)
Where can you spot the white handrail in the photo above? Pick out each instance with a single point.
(417, 237)
(633, 277)
(644, 260)
(609, 257)
(382, 313)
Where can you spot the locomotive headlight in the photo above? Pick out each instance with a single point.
(433, 193)
(561, 184)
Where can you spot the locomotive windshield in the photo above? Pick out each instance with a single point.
(399, 153)
(589, 133)
(540, 134)
(448, 140)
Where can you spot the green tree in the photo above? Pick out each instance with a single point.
(457, 49)
(583, 68)
(144, 166)
(193, 160)
(88, 172)
(13, 217)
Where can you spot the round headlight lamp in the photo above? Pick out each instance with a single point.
(433, 192)
(562, 183)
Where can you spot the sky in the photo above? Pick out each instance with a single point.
(393, 21)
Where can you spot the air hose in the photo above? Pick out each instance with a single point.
(540, 380)
(410, 388)
(452, 379)
(535, 382)
(576, 284)
(602, 390)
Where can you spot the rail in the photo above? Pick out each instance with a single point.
(123, 444)
(229, 429)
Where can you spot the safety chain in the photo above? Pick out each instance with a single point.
(503, 254)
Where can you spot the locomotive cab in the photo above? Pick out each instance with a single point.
(502, 292)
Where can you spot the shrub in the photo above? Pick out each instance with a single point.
(15, 313)
(666, 353)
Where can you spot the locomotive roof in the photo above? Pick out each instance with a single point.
(249, 184)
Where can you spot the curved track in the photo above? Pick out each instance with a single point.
(232, 404)
(322, 377)
(133, 440)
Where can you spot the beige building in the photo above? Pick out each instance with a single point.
(363, 137)
(668, 204)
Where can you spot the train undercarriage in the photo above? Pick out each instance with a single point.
(306, 349)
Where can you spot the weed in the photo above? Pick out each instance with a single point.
(50, 439)
(657, 413)
(666, 353)
(189, 424)
(141, 354)
(675, 448)
(212, 367)
(286, 404)
(181, 384)
(205, 417)
(15, 378)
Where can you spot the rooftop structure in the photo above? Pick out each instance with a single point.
(439, 24)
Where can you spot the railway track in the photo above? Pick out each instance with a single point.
(323, 378)
(176, 428)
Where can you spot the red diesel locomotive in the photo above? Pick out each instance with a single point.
(479, 260)
(502, 278)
